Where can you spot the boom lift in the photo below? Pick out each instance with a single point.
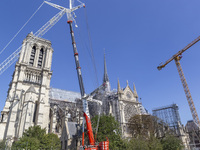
(93, 146)
(177, 58)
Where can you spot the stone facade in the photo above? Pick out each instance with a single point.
(129, 106)
(120, 103)
(28, 94)
(31, 101)
(194, 134)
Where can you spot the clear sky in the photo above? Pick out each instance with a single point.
(137, 35)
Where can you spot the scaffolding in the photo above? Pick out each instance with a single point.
(170, 116)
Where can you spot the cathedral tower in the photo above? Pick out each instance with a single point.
(27, 102)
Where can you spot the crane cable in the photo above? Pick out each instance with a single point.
(89, 49)
(94, 64)
(90, 45)
(91, 54)
(98, 123)
(21, 29)
(92, 58)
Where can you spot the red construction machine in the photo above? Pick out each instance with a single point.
(92, 144)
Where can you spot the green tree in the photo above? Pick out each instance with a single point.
(52, 141)
(2, 144)
(145, 129)
(141, 143)
(36, 138)
(154, 143)
(109, 128)
(137, 144)
(171, 143)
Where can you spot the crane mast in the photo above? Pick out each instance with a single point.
(177, 58)
(80, 79)
(92, 146)
(187, 91)
(15, 55)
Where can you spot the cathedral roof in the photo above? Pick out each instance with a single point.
(63, 95)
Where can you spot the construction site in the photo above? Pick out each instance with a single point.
(47, 89)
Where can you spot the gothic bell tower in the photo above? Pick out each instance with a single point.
(27, 102)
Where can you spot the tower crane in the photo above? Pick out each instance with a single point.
(177, 58)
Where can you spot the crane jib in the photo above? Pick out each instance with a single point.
(179, 53)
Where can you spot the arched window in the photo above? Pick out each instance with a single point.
(40, 58)
(31, 62)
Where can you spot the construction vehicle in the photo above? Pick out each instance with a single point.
(177, 58)
(15, 55)
(92, 145)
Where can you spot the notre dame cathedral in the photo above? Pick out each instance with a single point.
(30, 100)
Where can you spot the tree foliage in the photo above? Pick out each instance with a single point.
(141, 143)
(110, 128)
(145, 131)
(2, 144)
(154, 143)
(144, 125)
(137, 144)
(171, 143)
(36, 138)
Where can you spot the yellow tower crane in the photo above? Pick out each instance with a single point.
(177, 58)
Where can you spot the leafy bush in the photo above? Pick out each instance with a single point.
(36, 138)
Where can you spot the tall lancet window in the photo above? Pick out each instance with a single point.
(31, 62)
(40, 58)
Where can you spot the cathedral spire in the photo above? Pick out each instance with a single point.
(106, 82)
(127, 83)
(118, 86)
(105, 76)
(134, 89)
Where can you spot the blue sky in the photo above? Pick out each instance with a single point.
(137, 37)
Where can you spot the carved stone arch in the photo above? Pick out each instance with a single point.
(34, 44)
(43, 47)
(41, 56)
(32, 54)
